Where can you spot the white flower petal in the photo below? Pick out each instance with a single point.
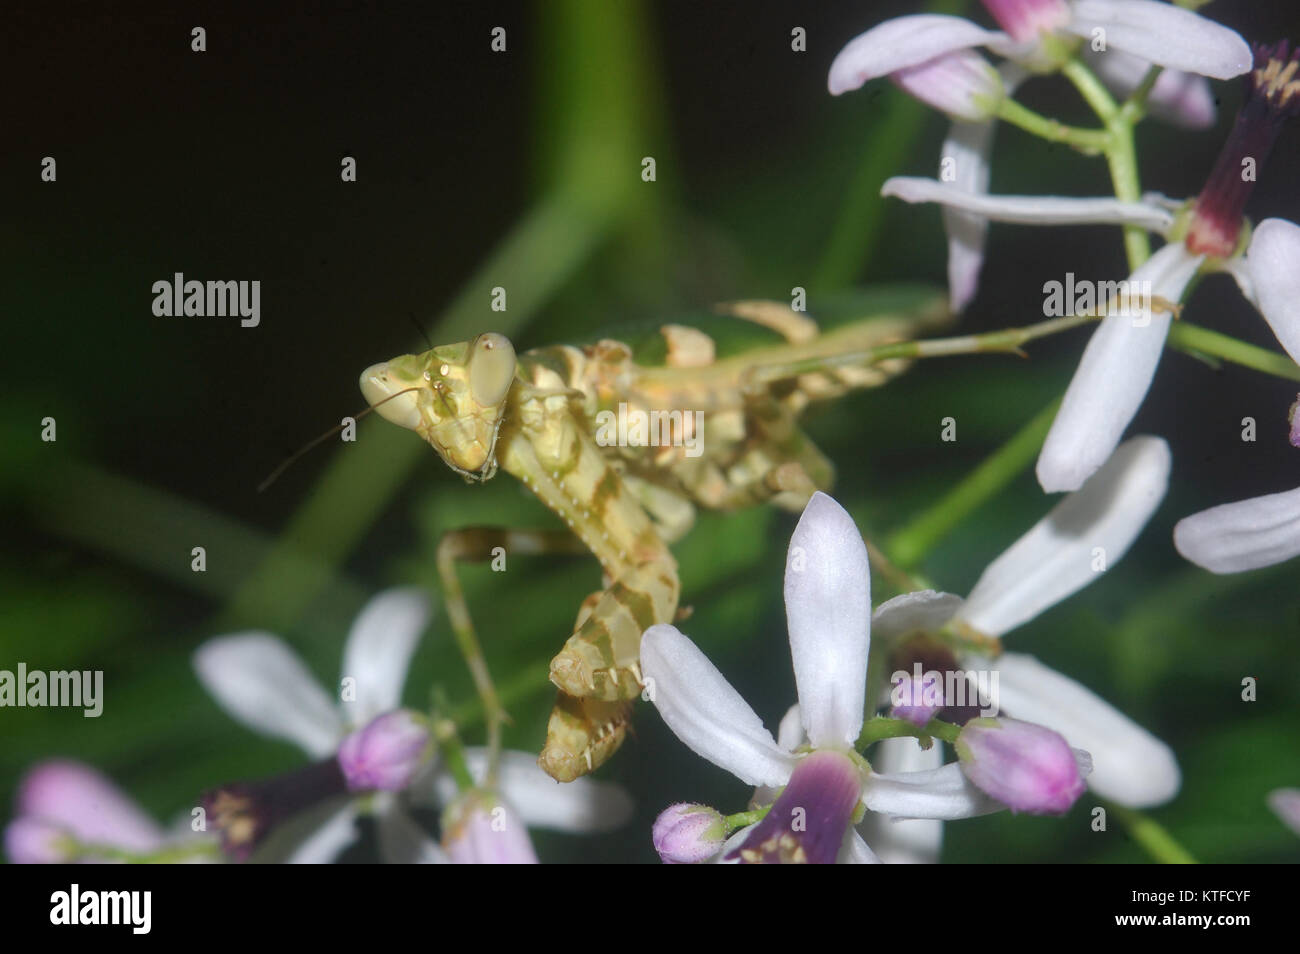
(1058, 556)
(828, 610)
(1183, 99)
(323, 843)
(967, 148)
(900, 43)
(904, 841)
(965, 156)
(789, 734)
(1164, 34)
(943, 793)
(855, 851)
(1113, 376)
(403, 842)
(1130, 765)
(1245, 535)
(379, 650)
(583, 805)
(924, 611)
(962, 85)
(1030, 209)
(1239, 269)
(1273, 262)
(1285, 803)
(706, 713)
(262, 683)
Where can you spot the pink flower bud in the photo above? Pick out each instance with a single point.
(1026, 19)
(1027, 767)
(686, 834)
(386, 754)
(1295, 422)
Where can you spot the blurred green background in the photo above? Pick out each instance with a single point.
(522, 169)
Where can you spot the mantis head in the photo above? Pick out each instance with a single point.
(453, 396)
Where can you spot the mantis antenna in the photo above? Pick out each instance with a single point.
(312, 444)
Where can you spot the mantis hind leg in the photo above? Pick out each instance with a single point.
(476, 544)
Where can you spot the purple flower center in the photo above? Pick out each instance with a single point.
(244, 813)
(1272, 97)
(807, 823)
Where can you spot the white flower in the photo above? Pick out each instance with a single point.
(263, 684)
(827, 595)
(1114, 373)
(931, 57)
(1259, 531)
(1119, 363)
(1055, 559)
(1156, 33)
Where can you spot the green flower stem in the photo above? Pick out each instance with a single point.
(453, 754)
(1006, 341)
(1091, 89)
(1135, 106)
(1198, 341)
(884, 727)
(1090, 142)
(1154, 839)
(167, 855)
(741, 819)
(911, 543)
(1120, 151)
(1122, 159)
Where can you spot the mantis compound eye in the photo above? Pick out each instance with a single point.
(491, 368)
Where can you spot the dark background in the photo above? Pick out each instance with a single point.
(225, 165)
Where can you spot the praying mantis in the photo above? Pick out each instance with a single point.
(731, 439)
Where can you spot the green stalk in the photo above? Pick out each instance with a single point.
(911, 543)
(1198, 341)
(1152, 836)
(1120, 150)
(884, 727)
(1090, 142)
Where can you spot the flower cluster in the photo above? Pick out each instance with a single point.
(1177, 49)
